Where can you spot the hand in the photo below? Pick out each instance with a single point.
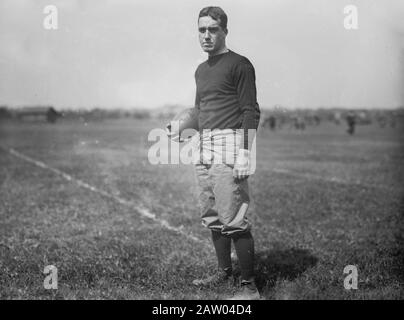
(241, 168)
(174, 135)
(168, 130)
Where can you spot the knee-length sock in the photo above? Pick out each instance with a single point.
(222, 246)
(244, 245)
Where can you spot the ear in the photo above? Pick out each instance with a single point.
(226, 31)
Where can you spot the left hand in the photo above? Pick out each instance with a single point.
(241, 168)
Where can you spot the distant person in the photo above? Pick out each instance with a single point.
(299, 123)
(272, 122)
(392, 121)
(351, 121)
(317, 120)
(337, 118)
(382, 121)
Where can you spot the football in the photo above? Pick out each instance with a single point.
(184, 123)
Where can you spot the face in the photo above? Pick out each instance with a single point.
(211, 35)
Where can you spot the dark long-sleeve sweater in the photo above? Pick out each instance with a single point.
(226, 96)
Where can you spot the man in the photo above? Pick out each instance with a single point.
(227, 111)
(351, 121)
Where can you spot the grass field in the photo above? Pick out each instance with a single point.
(321, 200)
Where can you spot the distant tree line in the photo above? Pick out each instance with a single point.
(274, 118)
(98, 114)
(49, 114)
(278, 118)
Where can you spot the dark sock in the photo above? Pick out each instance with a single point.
(244, 245)
(223, 250)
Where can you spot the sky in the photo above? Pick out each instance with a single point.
(143, 53)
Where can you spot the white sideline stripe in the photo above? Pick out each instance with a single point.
(329, 179)
(141, 209)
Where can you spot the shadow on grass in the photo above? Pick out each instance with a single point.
(278, 264)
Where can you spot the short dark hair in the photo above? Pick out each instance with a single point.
(216, 13)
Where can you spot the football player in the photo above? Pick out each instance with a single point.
(228, 115)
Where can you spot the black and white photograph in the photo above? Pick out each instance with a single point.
(195, 150)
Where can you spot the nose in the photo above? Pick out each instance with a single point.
(206, 35)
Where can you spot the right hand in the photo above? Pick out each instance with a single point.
(172, 135)
(168, 130)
